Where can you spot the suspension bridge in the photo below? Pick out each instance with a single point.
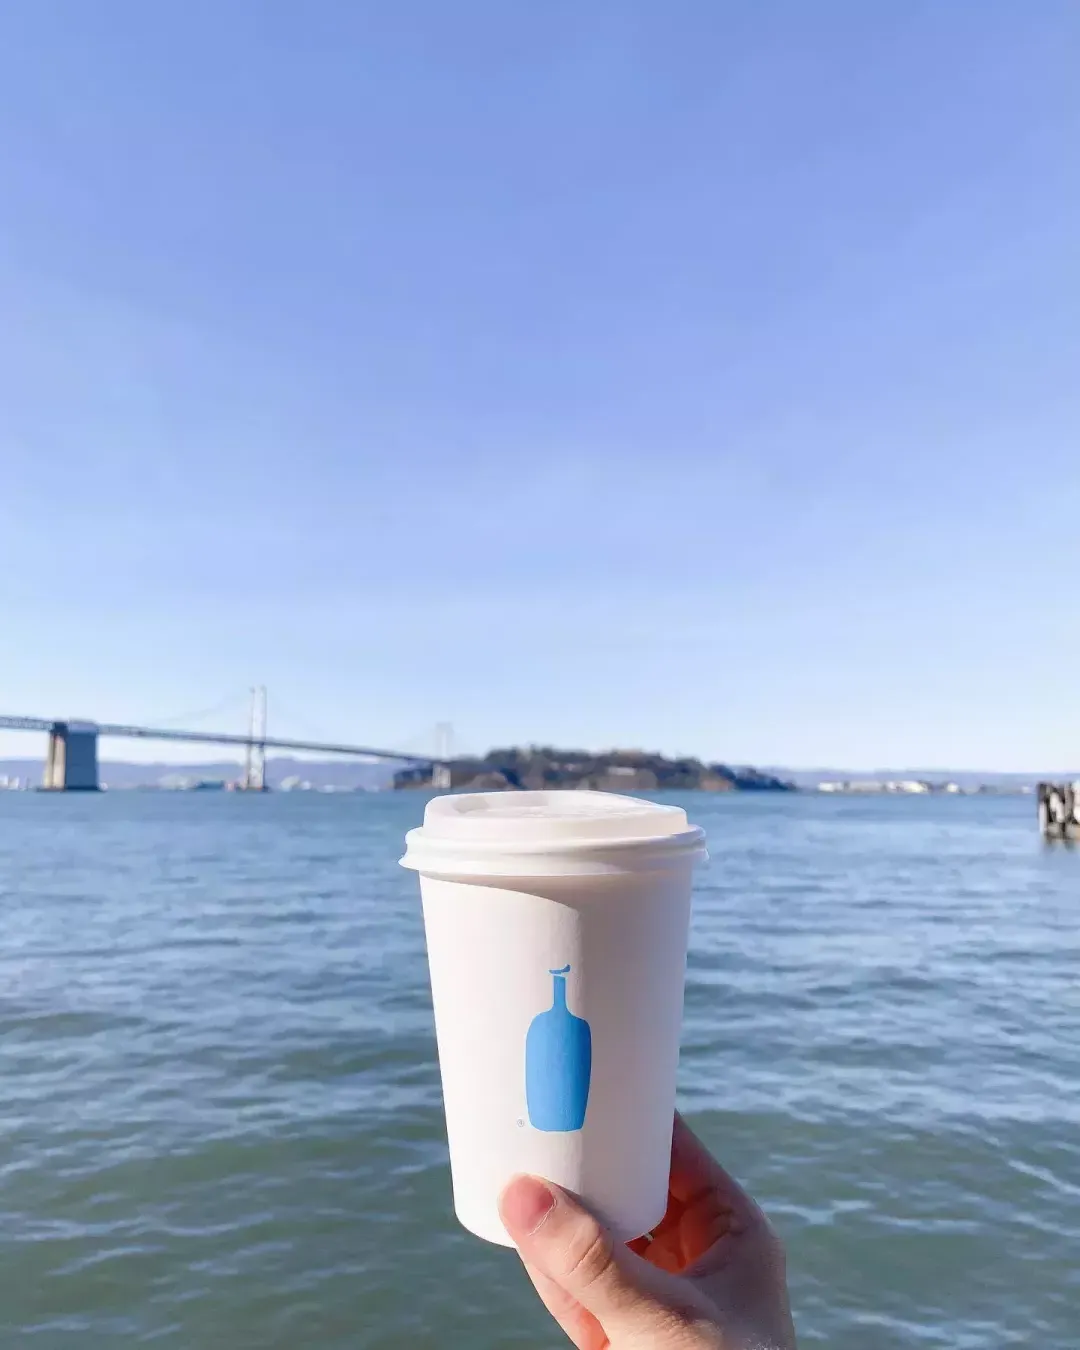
(71, 760)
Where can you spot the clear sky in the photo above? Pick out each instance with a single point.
(698, 376)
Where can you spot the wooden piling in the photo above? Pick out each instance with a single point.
(1059, 810)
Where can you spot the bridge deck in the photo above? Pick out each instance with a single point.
(17, 723)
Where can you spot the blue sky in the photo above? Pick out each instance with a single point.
(701, 376)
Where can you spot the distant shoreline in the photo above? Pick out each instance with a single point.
(618, 771)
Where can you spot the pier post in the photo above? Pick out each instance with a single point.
(1059, 810)
(71, 763)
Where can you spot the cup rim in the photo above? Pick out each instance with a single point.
(571, 857)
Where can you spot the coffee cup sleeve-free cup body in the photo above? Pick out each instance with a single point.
(556, 927)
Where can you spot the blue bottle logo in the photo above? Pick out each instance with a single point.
(558, 1064)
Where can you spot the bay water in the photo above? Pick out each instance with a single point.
(220, 1122)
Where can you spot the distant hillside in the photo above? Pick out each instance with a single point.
(612, 771)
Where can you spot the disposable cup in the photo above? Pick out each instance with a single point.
(556, 928)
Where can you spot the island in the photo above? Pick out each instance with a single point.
(536, 767)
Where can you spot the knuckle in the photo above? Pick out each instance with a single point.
(588, 1255)
(762, 1228)
(774, 1244)
(683, 1316)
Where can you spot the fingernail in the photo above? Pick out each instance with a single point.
(525, 1204)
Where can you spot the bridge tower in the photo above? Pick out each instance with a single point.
(441, 778)
(71, 764)
(255, 762)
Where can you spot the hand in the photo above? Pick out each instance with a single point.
(711, 1277)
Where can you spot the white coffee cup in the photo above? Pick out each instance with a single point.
(556, 931)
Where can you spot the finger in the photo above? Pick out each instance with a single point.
(661, 1247)
(695, 1172)
(581, 1326)
(664, 1252)
(559, 1237)
(705, 1204)
(688, 1231)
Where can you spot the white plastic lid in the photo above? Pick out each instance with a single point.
(549, 834)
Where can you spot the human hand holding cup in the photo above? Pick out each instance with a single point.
(711, 1275)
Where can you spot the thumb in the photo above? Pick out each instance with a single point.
(556, 1235)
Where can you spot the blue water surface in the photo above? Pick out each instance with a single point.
(221, 1127)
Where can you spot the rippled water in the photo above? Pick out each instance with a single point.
(220, 1123)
